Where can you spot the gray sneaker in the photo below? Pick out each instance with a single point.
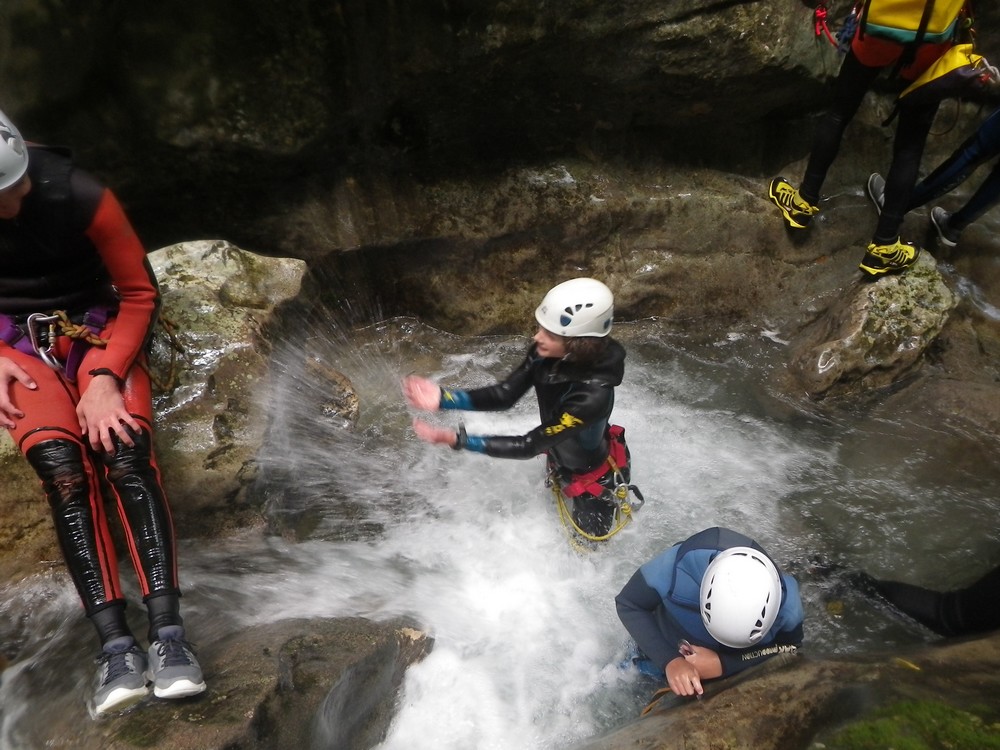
(947, 235)
(120, 678)
(876, 191)
(173, 668)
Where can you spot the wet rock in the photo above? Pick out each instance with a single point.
(252, 126)
(210, 363)
(874, 335)
(755, 711)
(290, 684)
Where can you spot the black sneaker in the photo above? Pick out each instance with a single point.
(876, 191)
(947, 235)
(880, 259)
(120, 676)
(173, 668)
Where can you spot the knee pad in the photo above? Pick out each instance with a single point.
(144, 511)
(130, 459)
(75, 499)
(59, 464)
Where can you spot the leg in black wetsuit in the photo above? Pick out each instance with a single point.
(974, 609)
(594, 515)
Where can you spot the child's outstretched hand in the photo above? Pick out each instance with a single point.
(431, 434)
(421, 393)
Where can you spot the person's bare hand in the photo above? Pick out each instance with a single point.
(422, 393)
(431, 434)
(11, 371)
(102, 412)
(683, 677)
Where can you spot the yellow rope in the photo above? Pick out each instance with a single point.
(175, 347)
(623, 513)
(655, 699)
(78, 330)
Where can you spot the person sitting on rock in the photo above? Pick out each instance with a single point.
(78, 300)
(966, 611)
(574, 366)
(978, 148)
(710, 606)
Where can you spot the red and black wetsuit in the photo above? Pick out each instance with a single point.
(71, 248)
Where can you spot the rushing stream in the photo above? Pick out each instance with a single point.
(527, 644)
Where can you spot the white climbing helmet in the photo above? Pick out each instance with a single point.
(13, 154)
(740, 596)
(578, 307)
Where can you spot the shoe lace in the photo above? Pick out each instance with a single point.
(791, 199)
(118, 665)
(897, 253)
(174, 653)
(786, 194)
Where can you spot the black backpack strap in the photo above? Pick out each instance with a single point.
(925, 20)
(863, 19)
(910, 52)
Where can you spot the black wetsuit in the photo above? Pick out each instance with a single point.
(974, 609)
(574, 404)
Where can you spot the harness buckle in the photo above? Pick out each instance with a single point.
(36, 325)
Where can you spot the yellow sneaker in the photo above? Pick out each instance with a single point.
(795, 210)
(881, 259)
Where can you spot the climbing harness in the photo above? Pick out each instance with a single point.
(37, 336)
(37, 333)
(617, 495)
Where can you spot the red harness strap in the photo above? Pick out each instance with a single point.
(617, 459)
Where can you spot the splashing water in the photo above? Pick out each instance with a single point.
(527, 644)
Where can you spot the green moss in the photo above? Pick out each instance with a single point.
(917, 725)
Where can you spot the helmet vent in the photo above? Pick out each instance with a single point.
(580, 307)
(567, 317)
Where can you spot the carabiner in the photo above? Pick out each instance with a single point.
(44, 353)
(638, 500)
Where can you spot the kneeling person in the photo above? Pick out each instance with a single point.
(710, 606)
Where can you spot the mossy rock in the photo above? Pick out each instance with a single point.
(919, 725)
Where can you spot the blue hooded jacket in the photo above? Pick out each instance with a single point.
(660, 605)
